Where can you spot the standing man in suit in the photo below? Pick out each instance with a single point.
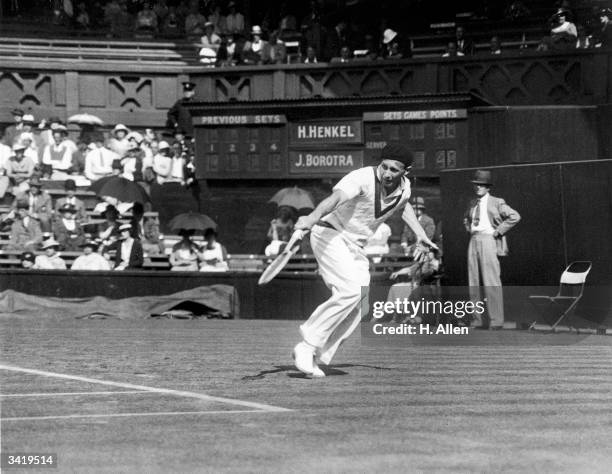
(179, 116)
(487, 219)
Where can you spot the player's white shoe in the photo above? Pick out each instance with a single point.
(317, 372)
(303, 355)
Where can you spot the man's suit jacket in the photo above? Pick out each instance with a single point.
(501, 216)
(136, 255)
(81, 213)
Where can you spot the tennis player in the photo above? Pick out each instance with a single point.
(340, 227)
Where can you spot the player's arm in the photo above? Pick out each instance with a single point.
(325, 207)
(410, 218)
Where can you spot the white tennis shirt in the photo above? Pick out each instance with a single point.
(365, 208)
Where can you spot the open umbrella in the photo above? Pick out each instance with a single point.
(120, 188)
(294, 197)
(85, 119)
(192, 221)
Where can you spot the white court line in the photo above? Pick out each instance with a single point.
(168, 391)
(123, 415)
(69, 394)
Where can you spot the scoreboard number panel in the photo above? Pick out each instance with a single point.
(438, 138)
(241, 146)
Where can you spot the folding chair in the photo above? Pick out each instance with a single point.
(571, 288)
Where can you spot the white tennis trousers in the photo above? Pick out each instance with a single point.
(345, 270)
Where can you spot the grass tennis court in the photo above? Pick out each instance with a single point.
(222, 396)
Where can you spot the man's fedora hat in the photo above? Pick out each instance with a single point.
(482, 177)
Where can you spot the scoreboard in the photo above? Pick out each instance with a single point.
(241, 146)
(438, 138)
(272, 147)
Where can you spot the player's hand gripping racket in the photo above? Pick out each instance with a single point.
(281, 260)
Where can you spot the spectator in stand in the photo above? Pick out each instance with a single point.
(280, 230)
(464, 45)
(40, 203)
(312, 30)
(80, 211)
(217, 19)
(57, 157)
(67, 229)
(186, 254)
(129, 255)
(345, 56)
(391, 42)
(26, 233)
(45, 137)
(108, 231)
(19, 169)
(211, 42)
(234, 21)
(602, 35)
(171, 26)
(99, 159)
(82, 17)
(13, 131)
(335, 40)
(311, 56)
(146, 229)
(27, 140)
(494, 46)
(408, 238)
(52, 259)
(563, 32)
(214, 255)
(27, 260)
(451, 51)
(27, 125)
(90, 259)
(195, 21)
(146, 20)
(119, 143)
(132, 163)
(257, 50)
(230, 51)
(162, 162)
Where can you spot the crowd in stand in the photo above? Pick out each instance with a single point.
(31, 153)
(311, 31)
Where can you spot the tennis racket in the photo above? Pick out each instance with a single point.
(281, 260)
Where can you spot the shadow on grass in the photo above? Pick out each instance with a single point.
(291, 371)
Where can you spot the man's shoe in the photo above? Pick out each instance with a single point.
(303, 355)
(317, 372)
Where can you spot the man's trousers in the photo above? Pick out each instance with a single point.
(344, 268)
(483, 263)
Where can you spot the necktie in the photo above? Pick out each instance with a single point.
(476, 219)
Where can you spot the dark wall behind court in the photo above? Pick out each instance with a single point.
(507, 135)
(566, 211)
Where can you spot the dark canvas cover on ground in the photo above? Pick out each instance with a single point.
(214, 300)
